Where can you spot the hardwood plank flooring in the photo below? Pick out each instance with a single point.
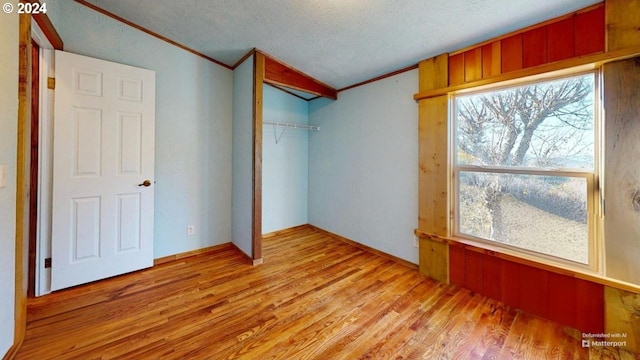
(315, 297)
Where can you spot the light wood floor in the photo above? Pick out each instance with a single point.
(315, 297)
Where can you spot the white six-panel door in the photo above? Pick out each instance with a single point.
(102, 213)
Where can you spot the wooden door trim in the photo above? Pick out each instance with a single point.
(258, 83)
(22, 184)
(47, 28)
(23, 169)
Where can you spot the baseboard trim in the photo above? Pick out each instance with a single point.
(284, 231)
(366, 248)
(183, 255)
(13, 350)
(253, 262)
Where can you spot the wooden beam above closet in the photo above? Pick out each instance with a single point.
(47, 27)
(281, 74)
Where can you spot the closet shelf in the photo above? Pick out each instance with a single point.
(291, 125)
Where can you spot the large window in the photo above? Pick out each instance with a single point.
(524, 167)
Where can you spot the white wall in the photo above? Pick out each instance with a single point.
(8, 153)
(285, 167)
(363, 165)
(242, 222)
(193, 125)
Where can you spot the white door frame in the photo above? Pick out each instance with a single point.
(42, 284)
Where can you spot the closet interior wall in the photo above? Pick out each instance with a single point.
(285, 161)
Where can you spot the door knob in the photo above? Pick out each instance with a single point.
(145, 183)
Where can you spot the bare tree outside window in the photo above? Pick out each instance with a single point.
(517, 151)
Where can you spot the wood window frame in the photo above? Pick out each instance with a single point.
(595, 255)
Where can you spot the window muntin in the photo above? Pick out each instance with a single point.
(524, 167)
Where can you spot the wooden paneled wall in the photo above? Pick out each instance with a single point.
(622, 315)
(596, 34)
(622, 177)
(434, 170)
(570, 301)
(622, 174)
(578, 34)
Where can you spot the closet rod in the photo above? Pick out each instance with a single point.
(291, 125)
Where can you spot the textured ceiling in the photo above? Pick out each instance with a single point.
(339, 42)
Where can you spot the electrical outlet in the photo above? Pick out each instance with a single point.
(415, 241)
(191, 230)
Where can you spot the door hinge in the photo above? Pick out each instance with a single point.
(47, 263)
(51, 83)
